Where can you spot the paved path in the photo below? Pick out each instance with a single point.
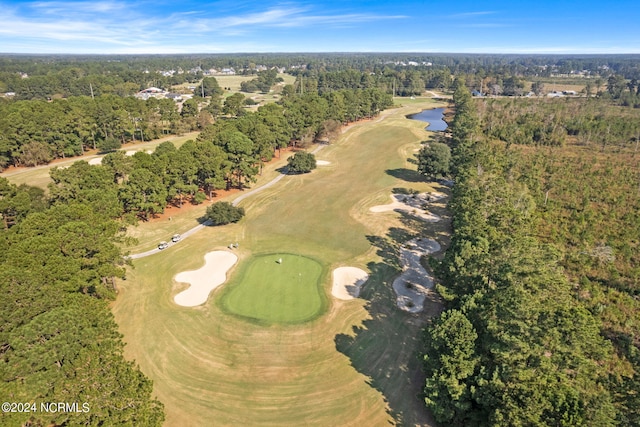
(208, 223)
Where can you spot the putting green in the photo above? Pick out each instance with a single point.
(270, 291)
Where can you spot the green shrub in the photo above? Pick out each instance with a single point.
(301, 162)
(223, 213)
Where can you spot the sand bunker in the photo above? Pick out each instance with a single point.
(130, 152)
(322, 163)
(347, 282)
(205, 279)
(411, 204)
(414, 283)
(96, 161)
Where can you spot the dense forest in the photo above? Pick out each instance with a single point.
(58, 340)
(541, 277)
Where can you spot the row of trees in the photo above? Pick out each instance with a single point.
(400, 82)
(50, 76)
(35, 132)
(514, 347)
(85, 79)
(228, 153)
(59, 341)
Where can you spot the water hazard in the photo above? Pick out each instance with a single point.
(433, 117)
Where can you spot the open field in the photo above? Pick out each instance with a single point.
(355, 364)
(233, 82)
(39, 176)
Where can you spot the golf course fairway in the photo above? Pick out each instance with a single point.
(241, 357)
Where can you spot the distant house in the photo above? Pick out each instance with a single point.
(150, 92)
(228, 71)
(175, 96)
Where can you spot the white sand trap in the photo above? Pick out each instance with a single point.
(96, 161)
(322, 163)
(411, 204)
(413, 285)
(130, 152)
(205, 279)
(347, 282)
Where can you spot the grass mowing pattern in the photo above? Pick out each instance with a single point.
(272, 292)
(355, 364)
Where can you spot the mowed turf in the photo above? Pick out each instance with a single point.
(353, 365)
(276, 288)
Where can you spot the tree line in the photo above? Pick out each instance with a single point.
(58, 340)
(514, 346)
(595, 122)
(401, 81)
(36, 132)
(228, 153)
(587, 202)
(402, 74)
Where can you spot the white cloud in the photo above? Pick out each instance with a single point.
(114, 26)
(280, 17)
(68, 7)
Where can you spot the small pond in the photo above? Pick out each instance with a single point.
(433, 117)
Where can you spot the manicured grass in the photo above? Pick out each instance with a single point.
(273, 292)
(355, 363)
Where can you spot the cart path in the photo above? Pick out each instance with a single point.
(207, 223)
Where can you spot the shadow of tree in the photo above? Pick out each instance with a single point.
(386, 347)
(388, 247)
(406, 175)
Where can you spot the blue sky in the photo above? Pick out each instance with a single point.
(141, 26)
